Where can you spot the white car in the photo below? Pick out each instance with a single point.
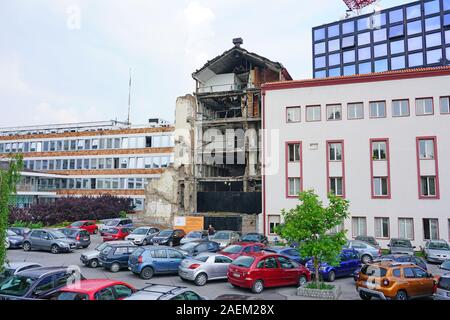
(142, 236)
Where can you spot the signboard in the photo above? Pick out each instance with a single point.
(189, 223)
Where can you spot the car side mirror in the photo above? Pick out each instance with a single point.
(388, 245)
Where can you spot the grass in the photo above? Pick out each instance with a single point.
(321, 286)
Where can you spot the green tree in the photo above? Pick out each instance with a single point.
(8, 181)
(309, 224)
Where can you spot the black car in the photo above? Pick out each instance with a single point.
(37, 283)
(80, 236)
(196, 247)
(168, 237)
(20, 230)
(114, 257)
(255, 237)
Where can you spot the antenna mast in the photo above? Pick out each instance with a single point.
(129, 100)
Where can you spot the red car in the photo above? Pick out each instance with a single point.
(96, 289)
(235, 250)
(116, 233)
(88, 225)
(259, 270)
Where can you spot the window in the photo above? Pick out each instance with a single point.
(294, 152)
(415, 43)
(348, 27)
(363, 23)
(398, 63)
(433, 40)
(333, 31)
(397, 47)
(293, 114)
(294, 187)
(381, 65)
(396, 16)
(122, 291)
(406, 228)
(313, 113)
(334, 112)
(431, 7)
(380, 187)
(378, 109)
(396, 31)
(428, 186)
(349, 56)
(424, 106)
(336, 186)
(430, 229)
(380, 50)
(274, 221)
(382, 227)
(426, 149)
(379, 150)
(320, 74)
(400, 108)
(355, 111)
(444, 105)
(413, 11)
(319, 34)
(319, 48)
(415, 60)
(365, 68)
(335, 151)
(334, 59)
(446, 4)
(408, 273)
(334, 72)
(363, 38)
(348, 42)
(364, 53)
(414, 27)
(433, 23)
(434, 56)
(349, 70)
(334, 45)
(379, 35)
(359, 226)
(105, 294)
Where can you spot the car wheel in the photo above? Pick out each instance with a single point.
(7, 244)
(401, 295)
(366, 259)
(258, 287)
(171, 244)
(26, 246)
(331, 276)
(115, 267)
(54, 249)
(201, 279)
(144, 243)
(147, 273)
(364, 296)
(93, 263)
(302, 280)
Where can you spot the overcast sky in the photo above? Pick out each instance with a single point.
(68, 60)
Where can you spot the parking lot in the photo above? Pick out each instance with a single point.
(210, 290)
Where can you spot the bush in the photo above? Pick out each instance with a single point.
(321, 286)
(73, 209)
(23, 224)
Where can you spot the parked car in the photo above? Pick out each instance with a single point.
(12, 268)
(436, 251)
(168, 238)
(367, 239)
(443, 288)
(225, 238)
(13, 240)
(255, 237)
(401, 246)
(262, 270)
(21, 231)
(194, 236)
(142, 236)
(289, 252)
(96, 289)
(194, 248)
(118, 222)
(394, 280)
(114, 256)
(49, 240)
(80, 236)
(36, 283)
(165, 292)
(349, 263)
(204, 267)
(146, 262)
(235, 250)
(88, 225)
(90, 258)
(445, 265)
(366, 251)
(116, 233)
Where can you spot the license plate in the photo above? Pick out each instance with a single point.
(236, 275)
(156, 244)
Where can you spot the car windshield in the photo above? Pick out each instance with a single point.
(140, 231)
(444, 283)
(373, 271)
(401, 243)
(251, 237)
(112, 223)
(16, 285)
(243, 261)
(222, 236)
(10, 233)
(165, 233)
(138, 252)
(57, 234)
(233, 249)
(188, 246)
(446, 265)
(77, 224)
(69, 231)
(194, 234)
(72, 296)
(439, 246)
(102, 246)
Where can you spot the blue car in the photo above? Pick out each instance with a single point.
(350, 262)
(289, 252)
(148, 261)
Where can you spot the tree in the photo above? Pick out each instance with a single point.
(8, 180)
(310, 223)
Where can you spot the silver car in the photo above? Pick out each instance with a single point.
(437, 251)
(443, 288)
(90, 258)
(225, 238)
(366, 251)
(165, 292)
(194, 236)
(49, 240)
(142, 236)
(401, 246)
(204, 267)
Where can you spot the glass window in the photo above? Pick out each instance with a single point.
(379, 35)
(363, 38)
(382, 228)
(398, 63)
(446, 4)
(319, 62)
(333, 31)
(431, 7)
(293, 114)
(378, 20)
(364, 53)
(355, 111)
(379, 150)
(413, 11)
(348, 42)
(333, 45)
(348, 27)
(444, 105)
(415, 59)
(319, 34)
(433, 23)
(336, 186)
(334, 112)
(430, 230)
(335, 151)
(294, 187)
(381, 65)
(380, 187)
(349, 70)
(396, 16)
(365, 67)
(447, 52)
(363, 23)
(447, 20)
(434, 56)
(414, 27)
(426, 149)
(396, 31)
(359, 226)
(319, 48)
(320, 74)
(397, 47)
(400, 108)
(380, 50)
(349, 56)
(334, 72)
(415, 43)
(313, 113)
(294, 152)
(424, 106)
(428, 186)
(433, 39)
(378, 109)
(406, 228)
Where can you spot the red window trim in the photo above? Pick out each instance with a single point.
(286, 166)
(402, 116)
(385, 109)
(268, 223)
(424, 115)
(342, 162)
(293, 107)
(312, 106)
(423, 227)
(388, 160)
(389, 231)
(413, 226)
(436, 164)
(445, 113)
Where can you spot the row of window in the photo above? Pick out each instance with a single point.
(377, 109)
(152, 162)
(93, 183)
(159, 141)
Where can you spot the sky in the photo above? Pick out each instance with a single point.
(64, 61)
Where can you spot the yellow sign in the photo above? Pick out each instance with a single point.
(189, 223)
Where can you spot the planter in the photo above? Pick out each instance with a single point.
(330, 294)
